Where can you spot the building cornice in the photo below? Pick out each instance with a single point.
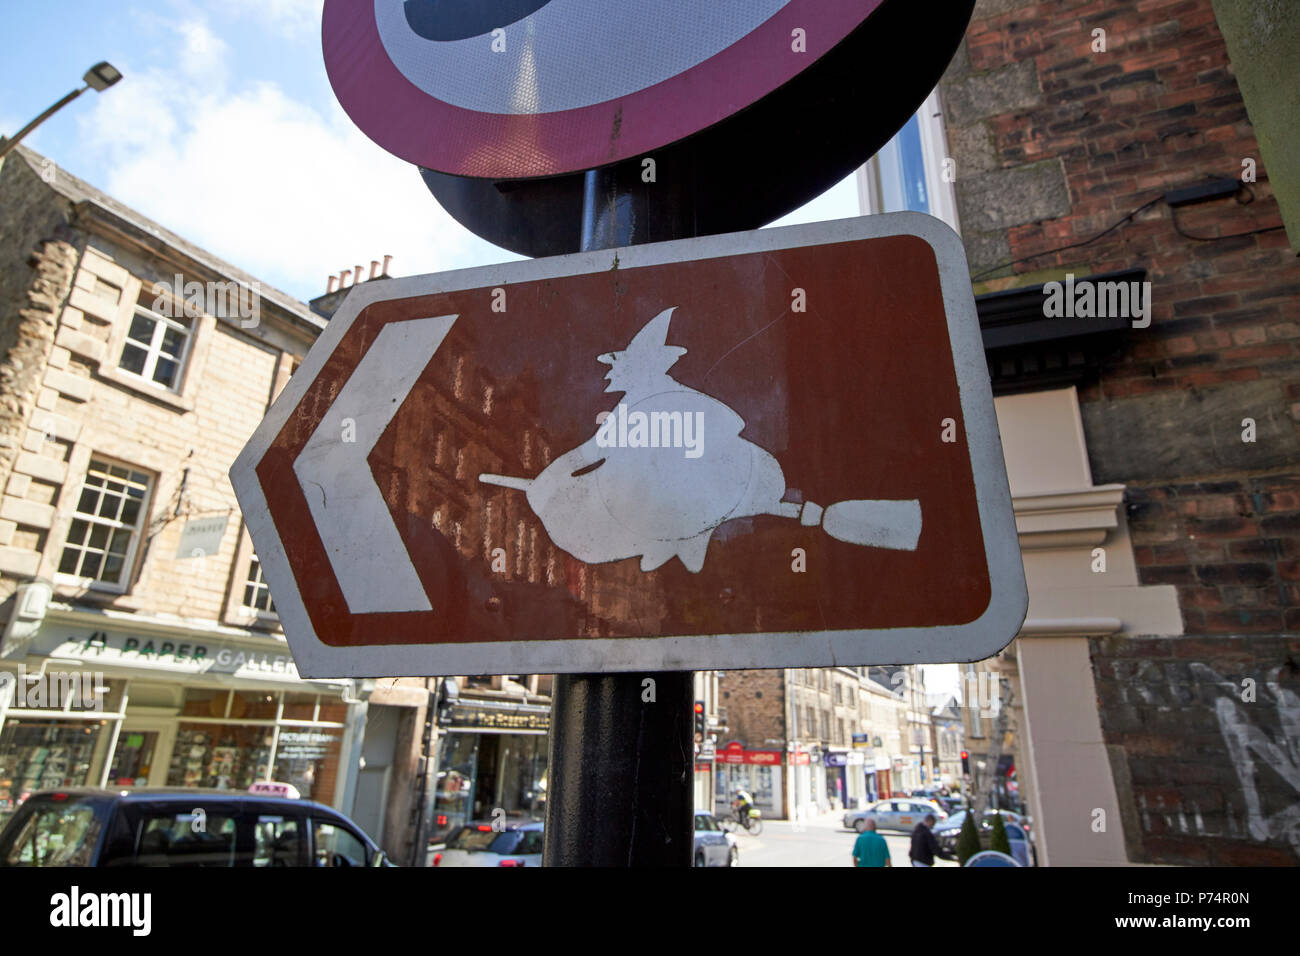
(1065, 519)
(1070, 627)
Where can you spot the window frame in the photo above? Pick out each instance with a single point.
(934, 150)
(318, 819)
(154, 351)
(259, 586)
(129, 560)
(236, 612)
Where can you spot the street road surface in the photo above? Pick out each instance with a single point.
(822, 841)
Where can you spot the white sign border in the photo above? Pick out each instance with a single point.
(976, 640)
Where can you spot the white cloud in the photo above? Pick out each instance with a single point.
(273, 186)
(293, 18)
(204, 51)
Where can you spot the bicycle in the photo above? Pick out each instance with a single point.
(753, 825)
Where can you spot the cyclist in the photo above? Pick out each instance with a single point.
(742, 804)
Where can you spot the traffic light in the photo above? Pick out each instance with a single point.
(699, 720)
(965, 762)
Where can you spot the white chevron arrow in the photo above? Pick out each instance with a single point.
(370, 561)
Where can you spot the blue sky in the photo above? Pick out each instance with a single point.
(225, 131)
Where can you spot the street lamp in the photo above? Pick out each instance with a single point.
(98, 78)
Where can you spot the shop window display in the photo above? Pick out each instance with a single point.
(44, 755)
(306, 758)
(457, 764)
(133, 759)
(219, 756)
(479, 773)
(758, 780)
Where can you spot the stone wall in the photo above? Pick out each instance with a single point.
(37, 262)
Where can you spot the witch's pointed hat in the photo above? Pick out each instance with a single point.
(652, 340)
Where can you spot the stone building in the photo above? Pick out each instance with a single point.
(133, 367)
(1140, 150)
(947, 738)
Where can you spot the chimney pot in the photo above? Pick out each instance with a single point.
(384, 271)
(330, 286)
(374, 268)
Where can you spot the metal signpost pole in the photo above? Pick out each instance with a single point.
(621, 758)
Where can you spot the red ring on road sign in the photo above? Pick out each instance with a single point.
(429, 132)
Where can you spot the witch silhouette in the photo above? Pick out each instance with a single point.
(667, 466)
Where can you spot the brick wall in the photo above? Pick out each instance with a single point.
(1054, 142)
(1202, 735)
(755, 706)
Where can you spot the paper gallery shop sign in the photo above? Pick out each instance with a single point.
(765, 449)
(176, 654)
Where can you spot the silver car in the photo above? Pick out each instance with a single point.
(901, 813)
(482, 844)
(714, 846)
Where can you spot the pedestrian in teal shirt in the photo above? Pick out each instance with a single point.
(871, 848)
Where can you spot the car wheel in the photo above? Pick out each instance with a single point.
(860, 825)
(699, 859)
(733, 858)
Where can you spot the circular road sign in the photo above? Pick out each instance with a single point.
(517, 89)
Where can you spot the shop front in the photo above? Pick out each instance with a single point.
(863, 785)
(884, 776)
(855, 781)
(836, 762)
(492, 755)
(124, 704)
(758, 771)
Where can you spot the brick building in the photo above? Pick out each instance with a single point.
(1152, 454)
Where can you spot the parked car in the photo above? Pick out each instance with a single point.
(1017, 827)
(482, 844)
(896, 814)
(213, 828)
(714, 846)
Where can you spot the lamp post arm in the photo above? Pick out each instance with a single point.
(7, 147)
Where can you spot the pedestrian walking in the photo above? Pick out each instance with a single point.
(870, 848)
(924, 846)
